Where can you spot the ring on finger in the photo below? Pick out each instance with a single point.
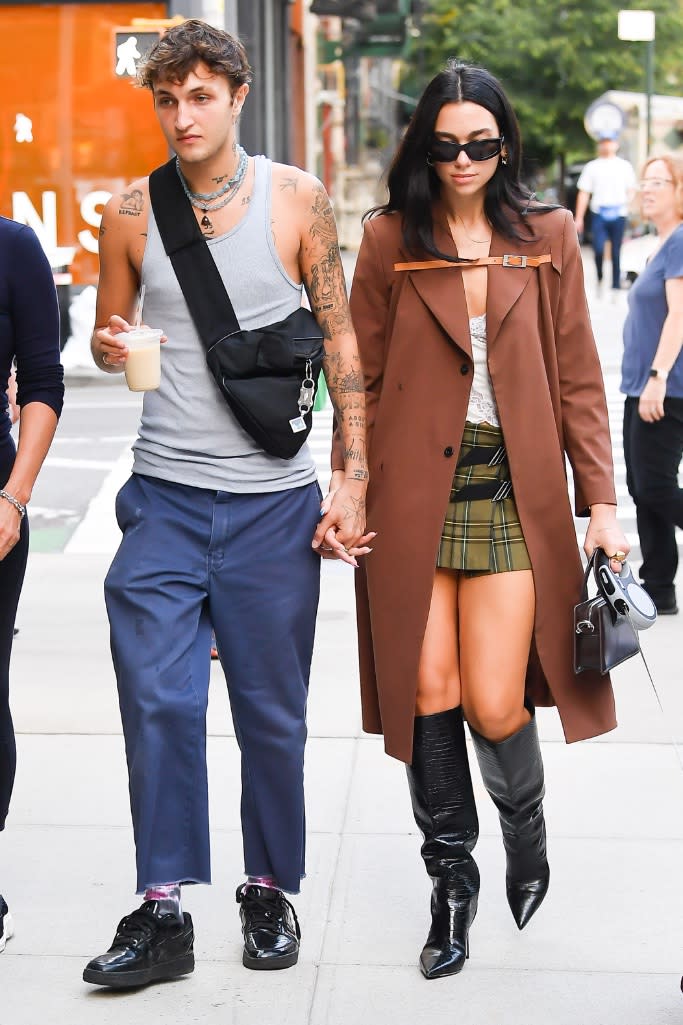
(105, 360)
(619, 556)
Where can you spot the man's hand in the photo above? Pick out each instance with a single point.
(109, 347)
(108, 344)
(341, 531)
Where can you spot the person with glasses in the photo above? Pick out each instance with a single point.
(481, 373)
(608, 183)
(652, 380)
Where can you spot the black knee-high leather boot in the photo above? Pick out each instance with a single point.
(512, 771)
(443, 805)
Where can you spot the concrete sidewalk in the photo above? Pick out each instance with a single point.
(606, 948)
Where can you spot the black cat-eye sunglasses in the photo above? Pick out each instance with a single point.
(443, 151)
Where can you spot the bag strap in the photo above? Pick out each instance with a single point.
(586, 575)
(514, 260)
(198, 276)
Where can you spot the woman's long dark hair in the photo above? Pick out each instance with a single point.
(413, 184)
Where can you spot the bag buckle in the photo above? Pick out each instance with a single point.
(514, 260)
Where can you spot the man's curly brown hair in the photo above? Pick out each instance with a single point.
(181, 48)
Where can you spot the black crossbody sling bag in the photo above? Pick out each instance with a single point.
(268, 376)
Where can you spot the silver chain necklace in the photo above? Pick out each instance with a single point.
(206, 200)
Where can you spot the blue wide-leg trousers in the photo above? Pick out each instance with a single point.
(191, 559)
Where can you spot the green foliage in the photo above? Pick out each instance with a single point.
(554, 59)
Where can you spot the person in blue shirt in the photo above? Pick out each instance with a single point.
(29, 336)
(652, 380)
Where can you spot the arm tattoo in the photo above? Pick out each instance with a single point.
(323, 226)
(288, 183)
(325, 279)
(327, 290)
(346, 388)
(131, 204)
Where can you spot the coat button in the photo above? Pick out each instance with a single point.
(448, 451)
(464, 369)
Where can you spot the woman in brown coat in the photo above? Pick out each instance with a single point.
(480, 377)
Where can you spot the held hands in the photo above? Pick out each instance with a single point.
(604, 532)
(651, 402)
(340, 533)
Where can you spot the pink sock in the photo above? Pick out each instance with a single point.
(266, 881)
(167, 896)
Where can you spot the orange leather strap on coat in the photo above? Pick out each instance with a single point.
(508, 260)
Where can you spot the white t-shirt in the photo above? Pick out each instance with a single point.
(608, 179)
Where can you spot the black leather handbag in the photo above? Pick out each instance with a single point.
(268, 376)
(602, 638)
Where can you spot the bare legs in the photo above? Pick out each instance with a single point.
(473, 662)
(476, 648)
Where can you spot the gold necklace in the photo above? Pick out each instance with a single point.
(476, 241)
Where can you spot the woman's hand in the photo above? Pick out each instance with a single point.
(651, 402)
(604, 532)
(10, 527)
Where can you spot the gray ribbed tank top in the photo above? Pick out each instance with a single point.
(187, 433)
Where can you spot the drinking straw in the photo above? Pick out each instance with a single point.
(138, 312)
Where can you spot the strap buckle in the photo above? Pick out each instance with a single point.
(514, 260)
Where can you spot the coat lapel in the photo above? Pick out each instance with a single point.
(505, 285)
(442, 291)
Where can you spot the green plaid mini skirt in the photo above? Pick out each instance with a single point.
(482, 535)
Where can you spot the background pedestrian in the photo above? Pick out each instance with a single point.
(608, 183)
(652, 380)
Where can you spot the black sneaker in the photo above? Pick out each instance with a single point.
(6, 926)
(148, 946)
(270, 928)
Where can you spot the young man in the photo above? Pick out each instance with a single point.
(216, 533)
(608, 183)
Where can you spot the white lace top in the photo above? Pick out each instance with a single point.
(482, 405)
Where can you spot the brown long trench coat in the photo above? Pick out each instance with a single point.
(413, 333)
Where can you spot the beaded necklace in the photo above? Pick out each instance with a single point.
(211, 201)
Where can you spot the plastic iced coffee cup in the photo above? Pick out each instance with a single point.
(143, 365)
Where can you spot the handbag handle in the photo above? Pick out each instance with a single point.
(198, 276)
(589, 567)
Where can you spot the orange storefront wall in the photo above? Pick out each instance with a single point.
(85, 131)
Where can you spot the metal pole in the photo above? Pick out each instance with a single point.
(649, 89)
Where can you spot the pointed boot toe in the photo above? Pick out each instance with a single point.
(437, 963)
(525, 898)
(443, 804)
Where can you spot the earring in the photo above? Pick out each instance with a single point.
(429, 160)
(504, 161)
